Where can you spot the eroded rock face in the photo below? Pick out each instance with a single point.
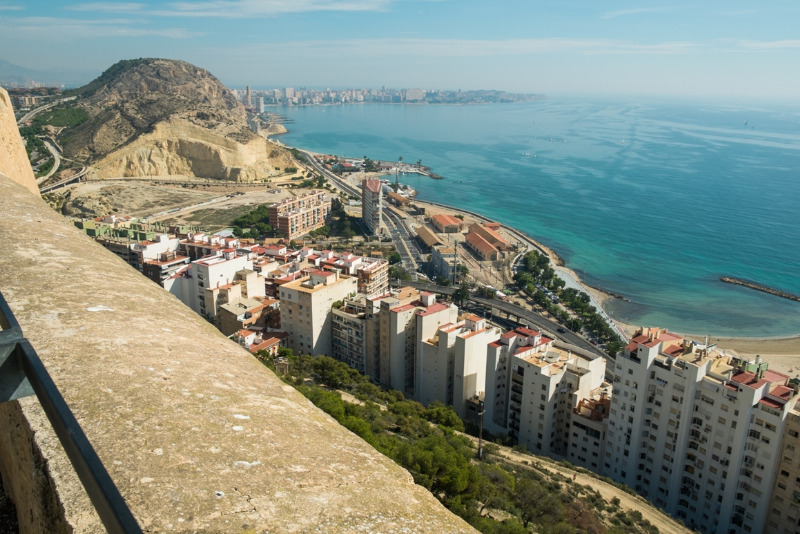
(158, 117)
(179, 147)
(14, 161)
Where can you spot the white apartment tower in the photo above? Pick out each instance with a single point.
(547, 397)
(402, 330)
(372, 205)
(697, 431)
(452, 363)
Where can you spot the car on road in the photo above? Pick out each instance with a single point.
(561, 330)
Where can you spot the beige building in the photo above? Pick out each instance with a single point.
(295, 217)
(306, 309)
(784, 508)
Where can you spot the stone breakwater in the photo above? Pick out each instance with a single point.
(759, 287)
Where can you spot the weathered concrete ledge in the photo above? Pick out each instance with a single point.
(195, 432)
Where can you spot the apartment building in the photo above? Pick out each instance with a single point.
(372, 205)
(452, 363)
(372, 273)
(208, 283)
(306, 309)
(784, 509)
(697, 432)
(351, 342)
(295, 217)
(547, 397)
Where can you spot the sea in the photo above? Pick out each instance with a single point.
(650, 200)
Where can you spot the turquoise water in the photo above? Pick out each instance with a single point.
(653, 201)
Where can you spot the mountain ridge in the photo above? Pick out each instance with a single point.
(156, 117)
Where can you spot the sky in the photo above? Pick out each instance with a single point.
(716, 49)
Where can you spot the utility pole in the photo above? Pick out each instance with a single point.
(480, 430)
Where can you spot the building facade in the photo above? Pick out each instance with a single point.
(697, 432)
(306, 309)
(295, 217)
(372, 205)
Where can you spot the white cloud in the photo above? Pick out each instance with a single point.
(235, 8)
(770, 45)
(478, 48)
(52, 28)
(10, 7)
(108, 7)
(636, 11)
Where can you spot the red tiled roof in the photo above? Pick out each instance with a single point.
(447, 220)
(372, 185)
(782, 392)
(772, 403)
(527, 331)
(748, 379)
(479, 243)
(427, 236)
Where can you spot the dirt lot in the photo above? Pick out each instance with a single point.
(211, 206)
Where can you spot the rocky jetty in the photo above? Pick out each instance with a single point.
(759, 287)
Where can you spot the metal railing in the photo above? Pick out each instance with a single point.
(22, 374)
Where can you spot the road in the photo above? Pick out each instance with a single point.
(56, 161)
(525, 316)
(404, 242)
(32, 113)
(75, 177)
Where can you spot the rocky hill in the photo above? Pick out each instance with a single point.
(159, 117)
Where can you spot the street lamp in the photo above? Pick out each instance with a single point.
(480, 429)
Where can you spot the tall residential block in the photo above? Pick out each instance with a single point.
(295, 217)
(547, 397)
(697, 431)
(372, 205)
(452, 364)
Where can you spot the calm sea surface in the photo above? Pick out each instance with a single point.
(651, 201)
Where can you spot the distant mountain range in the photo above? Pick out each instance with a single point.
(13, 75)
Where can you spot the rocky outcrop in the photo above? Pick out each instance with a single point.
(14, 161)
(179, 147)
(159, 117)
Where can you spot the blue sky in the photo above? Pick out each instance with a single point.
(709, 48)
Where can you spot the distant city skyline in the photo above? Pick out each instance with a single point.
(713, 49)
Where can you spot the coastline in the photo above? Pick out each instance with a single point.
(782, 352)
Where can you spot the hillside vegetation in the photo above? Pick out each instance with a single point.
(493, 494)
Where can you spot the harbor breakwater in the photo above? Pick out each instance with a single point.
(759, 287)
